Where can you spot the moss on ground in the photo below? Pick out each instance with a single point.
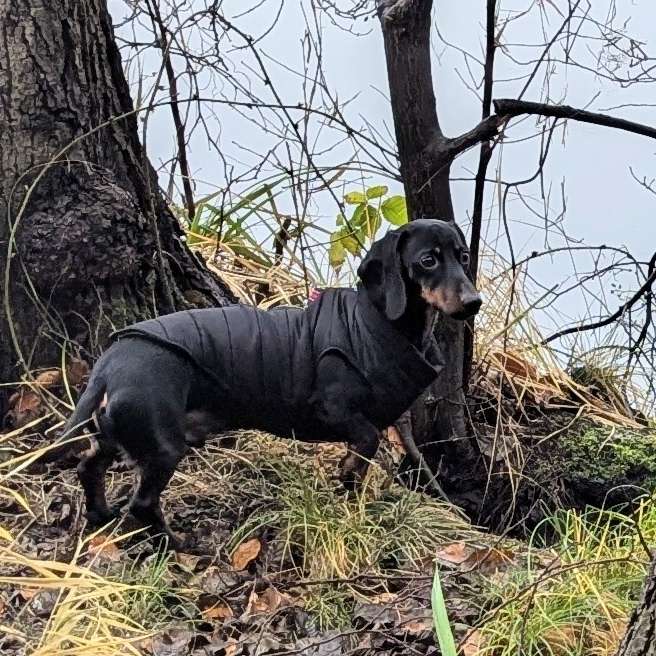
(604, 458)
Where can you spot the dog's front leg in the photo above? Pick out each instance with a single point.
(363, 440)
(342, 396)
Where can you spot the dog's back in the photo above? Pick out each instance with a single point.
(254, 364)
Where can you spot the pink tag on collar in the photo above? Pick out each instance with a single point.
(315, 295)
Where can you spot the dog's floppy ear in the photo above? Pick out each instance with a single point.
(382, 277)
(461, 234)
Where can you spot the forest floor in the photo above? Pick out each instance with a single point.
(294, 566)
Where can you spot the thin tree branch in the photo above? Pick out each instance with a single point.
(509, 108)
(156, 18)
(481, 175)
(645, 289)
(486, 146)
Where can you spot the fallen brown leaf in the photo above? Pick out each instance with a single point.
(485, 559)
(456, 553)
(489, 560)
(100, 547)
(216, 580)
(49, 378)
(267, 602)
(24, 406)
(218, 612)
(246, 553)
(417, 625)
(472, 644)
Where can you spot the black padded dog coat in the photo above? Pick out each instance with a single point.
(272, 356)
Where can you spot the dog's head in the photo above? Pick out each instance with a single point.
(426, 257)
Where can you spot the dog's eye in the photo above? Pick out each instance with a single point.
(428, 261)
(464, 258)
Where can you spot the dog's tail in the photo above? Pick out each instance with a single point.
(87, 404)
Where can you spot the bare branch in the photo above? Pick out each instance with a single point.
(644, 290)
(158, 23)
(507, 108)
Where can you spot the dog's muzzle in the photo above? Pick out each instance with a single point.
(471, 304)
(458, 304)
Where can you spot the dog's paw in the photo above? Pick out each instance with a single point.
(348, 485)
(96, 518)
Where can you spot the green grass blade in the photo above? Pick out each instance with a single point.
(441, 619)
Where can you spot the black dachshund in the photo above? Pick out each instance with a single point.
(340, 370)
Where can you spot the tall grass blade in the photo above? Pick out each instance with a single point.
(441, 618)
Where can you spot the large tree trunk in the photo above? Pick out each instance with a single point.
(94, 246)
(640, 638)
(425, 162)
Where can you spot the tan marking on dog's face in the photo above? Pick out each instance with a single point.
(442, 299)
(103, 403)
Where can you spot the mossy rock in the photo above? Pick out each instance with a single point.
(602, 466)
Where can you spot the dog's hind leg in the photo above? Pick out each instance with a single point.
(158, 463)
(91, 472)
(155, 476)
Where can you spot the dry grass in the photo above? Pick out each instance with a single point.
(575, 602)
(89, 611)
(509, 351)
(255, 282)
(287, 498)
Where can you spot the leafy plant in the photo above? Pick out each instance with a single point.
(370, 208)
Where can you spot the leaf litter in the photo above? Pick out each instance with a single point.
(287, 562)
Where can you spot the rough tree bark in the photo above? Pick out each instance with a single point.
(640, 638)
(93, 245)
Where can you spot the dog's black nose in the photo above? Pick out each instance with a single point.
(471, 303)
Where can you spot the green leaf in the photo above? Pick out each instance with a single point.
(355, 198)
(394, 210)
(347, 241)
(358, 217)
(441, 619)
(336, 252)
(370, 223)
(351, 244)
(376, 192)
(340, 219)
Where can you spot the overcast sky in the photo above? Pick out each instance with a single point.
(604, 205)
